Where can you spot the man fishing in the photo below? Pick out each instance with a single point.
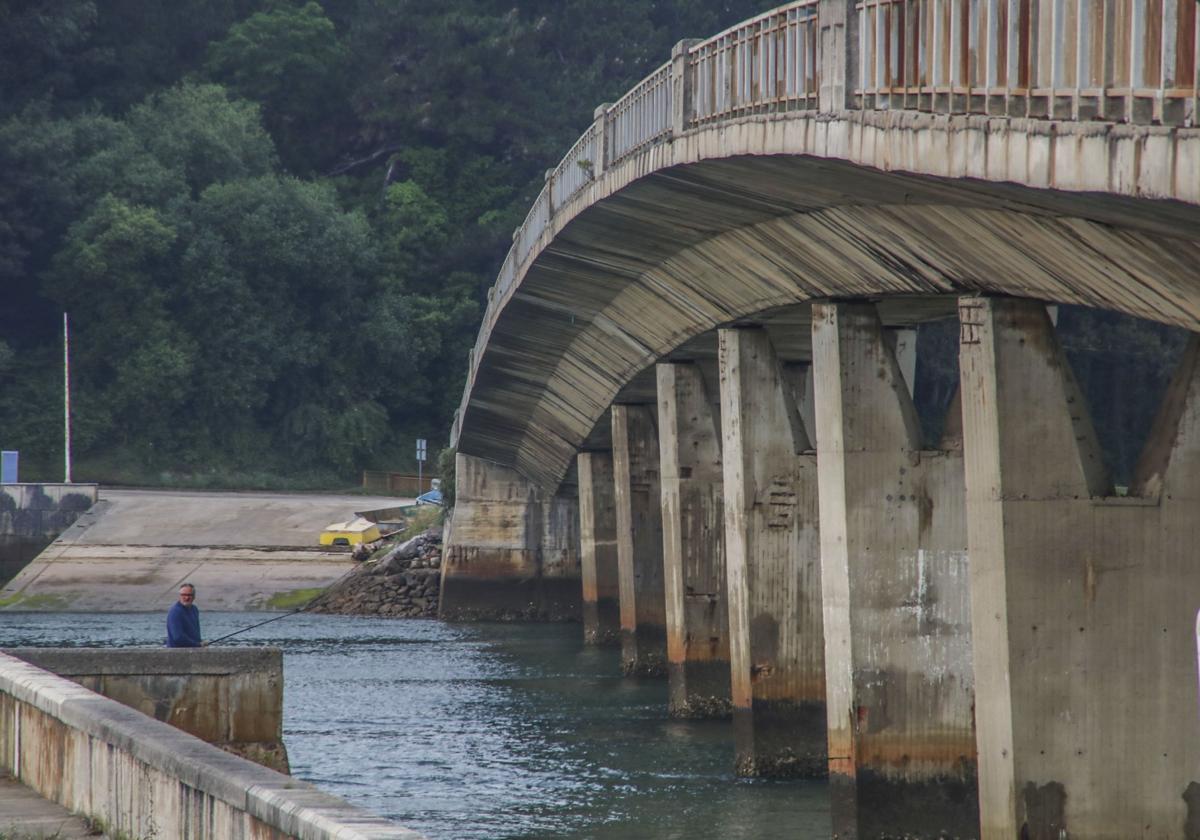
(183, 620)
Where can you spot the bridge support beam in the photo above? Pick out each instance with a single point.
(639, 540)
(598, 549)
(896, 595)
(1084, 605)
(693, 544)
(513, 552)
(772, 564)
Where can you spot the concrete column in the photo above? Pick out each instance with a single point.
(682, 87)
(693, 544)
(639, 540)
(772, 565)
(513, 552)
(598, 549)
(1084, 604)
(894, 578)
(838, 54)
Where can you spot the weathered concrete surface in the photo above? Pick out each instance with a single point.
(32, 515)
(230, 697)
(1083, 605)
(140, 777)
(513, 550)
(772, 563)
(894, 575)
(639, 540)
(598, 549)
(24, 814)
(693, 520)
(134, 548)
(735, 217)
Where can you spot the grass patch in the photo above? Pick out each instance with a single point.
(293, 599)
(424, 517)
(49, 603)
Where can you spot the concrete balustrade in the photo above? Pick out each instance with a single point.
(138, 777)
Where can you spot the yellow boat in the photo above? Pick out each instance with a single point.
(355, 532)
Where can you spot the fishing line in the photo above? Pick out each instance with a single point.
(349, 572)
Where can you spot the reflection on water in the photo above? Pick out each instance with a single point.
(486, 731)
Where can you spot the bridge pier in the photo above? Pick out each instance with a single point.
(598, 549)
(693, 544)
(894, 578)
(639, 540)
(1083, 604)
(513, 552)
(772, 564)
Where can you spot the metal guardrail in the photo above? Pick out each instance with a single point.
(1115, 60)
(1122, 61)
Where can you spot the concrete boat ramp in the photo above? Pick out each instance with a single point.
(243, 551)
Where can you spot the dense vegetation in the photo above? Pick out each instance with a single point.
(274, 221)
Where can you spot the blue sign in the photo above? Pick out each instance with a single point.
(8, 467)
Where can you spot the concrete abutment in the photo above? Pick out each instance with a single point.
(514, 548)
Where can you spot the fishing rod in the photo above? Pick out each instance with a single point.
(349, 572)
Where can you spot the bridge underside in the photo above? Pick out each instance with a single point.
(692, 423)
(643, 274)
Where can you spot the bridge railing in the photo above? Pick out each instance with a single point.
(1112, 60)
(1123, 61)
(641, 117)
(763, 65)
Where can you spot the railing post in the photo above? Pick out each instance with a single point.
(600, 116)
(838, 54)
(548, 176)
(683, 106)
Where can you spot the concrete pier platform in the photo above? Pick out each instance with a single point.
(243, 551)
(25, 816)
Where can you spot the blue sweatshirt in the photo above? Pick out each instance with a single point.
(183, 626)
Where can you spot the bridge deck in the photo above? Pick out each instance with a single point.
(24, 814)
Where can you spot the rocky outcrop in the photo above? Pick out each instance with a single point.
(402, 582)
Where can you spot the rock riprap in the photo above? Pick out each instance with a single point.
(402, 582)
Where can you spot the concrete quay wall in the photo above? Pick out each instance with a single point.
(229, 697)
(140, 777)
(32, 515)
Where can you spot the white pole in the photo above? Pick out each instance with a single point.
(67, 397)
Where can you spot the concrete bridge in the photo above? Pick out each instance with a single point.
(689, 414)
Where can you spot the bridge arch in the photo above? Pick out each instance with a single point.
(962, 633)
(729, 220)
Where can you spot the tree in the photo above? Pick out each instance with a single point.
(289, 60)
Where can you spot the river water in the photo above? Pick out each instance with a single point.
(486, 730)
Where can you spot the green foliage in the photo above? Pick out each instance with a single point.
(289, 59)
(236, 313)
(447, 472)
